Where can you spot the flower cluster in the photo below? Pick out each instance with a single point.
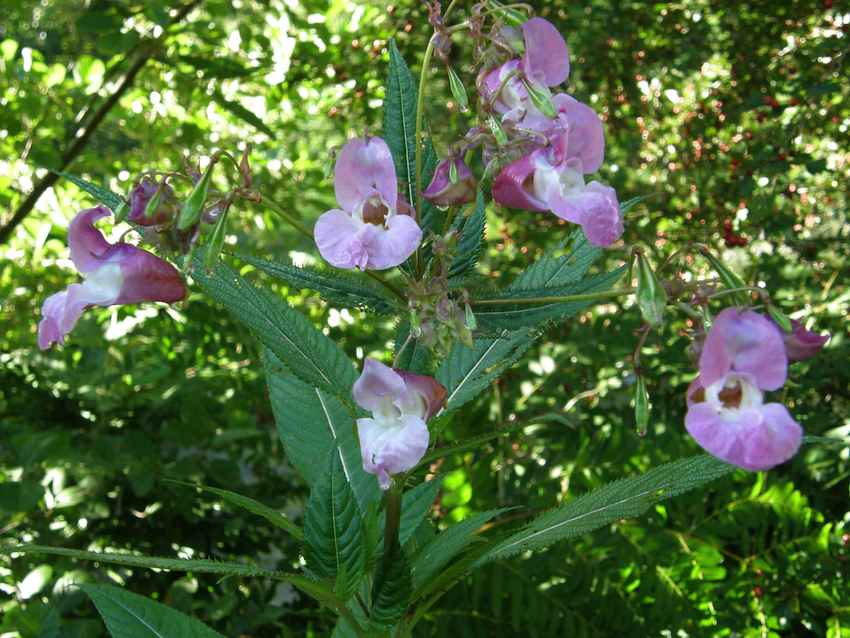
(113, 274)
(745, 355)
(558, 139)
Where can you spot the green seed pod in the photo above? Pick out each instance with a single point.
(471, 321)
(729, 278)
(541, 97)
(511, 16)
(642, 407)
(217, 238)
(651, 296)
(458, 90)
(782, 320)
(497, 131)
(153, 203)
(194, 204)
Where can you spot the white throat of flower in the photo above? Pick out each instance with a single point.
(548, 179)
(393, 410)
(104, 284)
(733, 394)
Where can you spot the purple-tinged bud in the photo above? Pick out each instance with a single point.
(801, 344)
(151, 203)
(453, 184)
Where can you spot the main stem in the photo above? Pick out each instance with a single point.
(590, 296)
(392, 519)
(301, 228)
(420, 110)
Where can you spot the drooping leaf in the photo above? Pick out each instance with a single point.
(332, 528)
(310, 423)
(105, 196)
(306, 352)
(400, 120)
(255, 507)
(621, 499)
(467, 371)
(335, 287)
(129, 615)
(471, 239)
(391, 590)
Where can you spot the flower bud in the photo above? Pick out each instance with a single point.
(452, 184)
(194, 204)
(497, 131)
(541, 98)
(651, 296)
(642, 407)
(458, 90)
(151, 203)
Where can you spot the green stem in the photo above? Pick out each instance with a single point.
(589, 296)
(761, 292)
(420, 110)
(297, 225)
(392, 518)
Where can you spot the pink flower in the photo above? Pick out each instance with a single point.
(395, 439)
(374, 228)
(551, 179)
(114, 274)
(141, 194)
(743, 355)
(442, 191)
(801, 344)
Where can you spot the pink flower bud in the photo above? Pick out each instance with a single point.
(451, 187)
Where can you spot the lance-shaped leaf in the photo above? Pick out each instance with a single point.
(392, 589)
(304, 350)
(467, 371)
(129, 615)
(336, 287)
(332, 528)
(311, 423)
(621, 499)
(471, 239)
(400, 120)
(101, 194)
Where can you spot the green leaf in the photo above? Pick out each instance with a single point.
(335, 287)
(304, 350)
(255, 507)
(20, 496)
(467, 371)
(332, 528)
(471, 239)
(129, 615)
(310, 423)
(448, 544)
(242, 113)
(103, 195)
(392, 589)
(400, 120)
(415, 357)
(621, 499)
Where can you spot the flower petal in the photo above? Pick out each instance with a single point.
(86, 242)
(801, 343)
(595, 208)
(377, 384)
(746, 342)
(509, 187)
(388, 247)
(391, 449)
(337, 237)
(586, 137)
(364, 166)
(546, 56)
(431, 391)
(146, 277)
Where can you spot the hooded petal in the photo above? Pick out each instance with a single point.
(754, 439)
(595, 208)
(145, 276)
(337, 237)
(377, 385)
(509, 187)
(546, 58)
(388, 247)
(432, 392)
(585, 136)
(744, 342)
(364, 166)
(801, 343)
(388, 450)
(443, 192)
(86, 242)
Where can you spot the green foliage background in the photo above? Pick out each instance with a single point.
(722, 110)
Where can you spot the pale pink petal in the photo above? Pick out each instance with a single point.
(86, 242)
(509, 187)
(364, 167)
(546, 58)
(377, 384)
(146, 277)
(388, 247)
(774, 441)
(388, 450)
(744, 342)
(595, 208)
(586, 138)
(801, 343)
(713, 434)
(338, 239)
(62, 310)
(432, 392)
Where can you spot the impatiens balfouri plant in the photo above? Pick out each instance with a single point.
(410, 227)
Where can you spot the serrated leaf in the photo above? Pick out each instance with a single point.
(304, 350)
(467, 371)
(310, 423)
(392, 589)
(332, 528)
(335, 287)
(255, 507)
(104, 195)
(621, 499)
(235, 108)
(400, 120)
(129, 615)
(471, 239)
(415, 357)
(448, 544)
